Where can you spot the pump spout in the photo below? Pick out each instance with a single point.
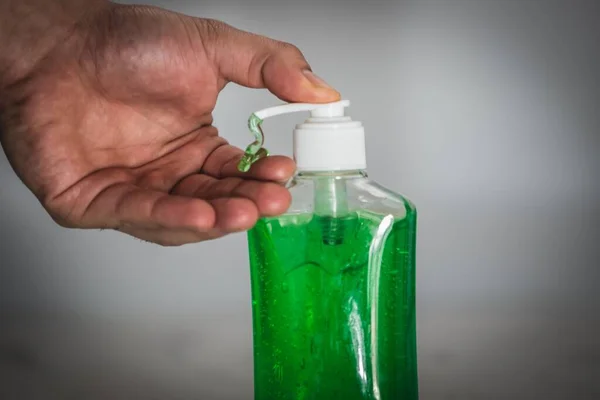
(335, 109)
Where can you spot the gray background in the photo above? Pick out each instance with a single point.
(485, 113)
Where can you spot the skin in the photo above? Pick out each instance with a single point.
(105, 115)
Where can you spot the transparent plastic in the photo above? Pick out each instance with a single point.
(333, 290)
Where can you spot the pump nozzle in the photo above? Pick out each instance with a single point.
(335, 109)
(255, 151)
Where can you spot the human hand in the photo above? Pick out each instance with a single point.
(113, 128)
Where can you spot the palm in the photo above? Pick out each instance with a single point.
(127, 141)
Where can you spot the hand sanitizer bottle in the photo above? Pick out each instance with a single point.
(333, 279)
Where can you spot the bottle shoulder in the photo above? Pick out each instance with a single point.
(377, 194)
(361, 194)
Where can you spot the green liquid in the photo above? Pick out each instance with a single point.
(334, 308)
(254, 151)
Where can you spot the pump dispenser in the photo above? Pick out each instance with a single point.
(327, 141)
(333, 278)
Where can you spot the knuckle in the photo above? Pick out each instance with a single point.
(290, 49)
(64, 220)
(211, 29)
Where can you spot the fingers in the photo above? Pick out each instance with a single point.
(259, 62)
(126, 204)
(223, 162)
(199, 208)
(270, 199)
(232, 215)
(171, 237)
(186, 159)
(128, 207)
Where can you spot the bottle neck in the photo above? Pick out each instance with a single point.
(331, 202)
(349, 174)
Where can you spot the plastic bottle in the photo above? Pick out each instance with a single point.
(333, 279)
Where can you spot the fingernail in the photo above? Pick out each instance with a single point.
(315, 80)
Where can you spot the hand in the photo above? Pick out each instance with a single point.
(112, 129)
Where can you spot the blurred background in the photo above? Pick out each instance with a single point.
(485, 113)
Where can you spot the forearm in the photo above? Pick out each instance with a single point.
(29, 29)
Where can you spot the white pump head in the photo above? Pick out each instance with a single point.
(328, 140)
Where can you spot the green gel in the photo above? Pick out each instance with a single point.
(254, 151)
(334, 321)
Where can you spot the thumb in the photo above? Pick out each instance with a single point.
(259, 62)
